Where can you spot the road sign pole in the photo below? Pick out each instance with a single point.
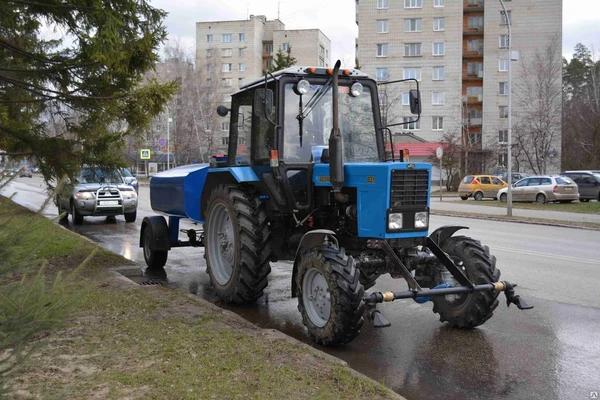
(439, 153)
(441, 179)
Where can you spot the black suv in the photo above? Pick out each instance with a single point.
(588, 183)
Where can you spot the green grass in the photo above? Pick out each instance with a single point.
(121, 340)
(592, 207)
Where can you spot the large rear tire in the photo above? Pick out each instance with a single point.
(330, 296)
(473, 309)
(237, 250)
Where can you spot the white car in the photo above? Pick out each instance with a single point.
(542, 189)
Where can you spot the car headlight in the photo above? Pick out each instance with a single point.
(395, 221)
(130, 194)
(421, 219)
(84, 195)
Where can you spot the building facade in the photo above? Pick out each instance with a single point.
(243, 50)
(458, 50)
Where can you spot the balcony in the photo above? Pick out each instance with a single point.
(470, 6)
(473, 54)
(473, 99)
(473, 122)
(470, 32)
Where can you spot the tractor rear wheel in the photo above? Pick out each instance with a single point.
(330, 295)
(237, 250)
(473, 309)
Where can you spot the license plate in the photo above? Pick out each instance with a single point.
(568, 189)
(109, 202)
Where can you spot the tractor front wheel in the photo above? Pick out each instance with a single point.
(473, 309)
(237, 250)
(330, 295)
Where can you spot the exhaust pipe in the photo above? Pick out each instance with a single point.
(336, 144)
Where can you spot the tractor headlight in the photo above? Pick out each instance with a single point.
(84, 195)
(421, 219)
(356, 90)
(302, 87)
(395, 221)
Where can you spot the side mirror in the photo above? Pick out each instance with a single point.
(222, 111)
(415, 101)
(263, 102)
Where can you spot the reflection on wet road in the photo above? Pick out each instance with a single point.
(551, 352)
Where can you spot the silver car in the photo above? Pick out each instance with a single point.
(542, 189)
(97, 192)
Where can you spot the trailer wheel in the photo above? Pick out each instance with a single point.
(473, 309)
(330, 296)
(238, 250)
(155, 259)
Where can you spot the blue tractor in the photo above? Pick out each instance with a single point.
(311, 176)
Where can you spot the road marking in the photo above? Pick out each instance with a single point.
(536, 253)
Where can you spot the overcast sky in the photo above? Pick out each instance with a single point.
(336, 19)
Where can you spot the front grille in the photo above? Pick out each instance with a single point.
(409, 187)
(108, 197)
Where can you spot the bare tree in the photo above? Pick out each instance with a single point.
(451, 142)
(538, 98)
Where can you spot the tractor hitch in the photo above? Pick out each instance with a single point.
(426, 294)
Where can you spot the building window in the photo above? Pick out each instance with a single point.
(439, 73)
(503, 65)
(474, 68)
(475, 116)
(242, 37)
(475, 45)
(412, 73)
(503, 42)
(503, 111)
(412, 49)
(269, 48)
(227, 67)
(437, 98)
(285, 47)
(225, 127)
(225, 141)
(474, 91)
(413, 25)
(503, 17)
(438, 3)
(413, 3)
(240, 82)
(209, 38)
(382, 50)
(383, 4)
(241, 52)
(226, 52)
(502, 159)
(209, 52)
(242, 67)
(439, 24)
(503, 88)
(226, 38)
(226, 82)
(405, 98)
(381, 74)
(475, 22)
(437, 123)
(503, 136)
(438, 48)
(382, 26)
(411, 124)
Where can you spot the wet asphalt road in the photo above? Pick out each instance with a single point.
(550, 352)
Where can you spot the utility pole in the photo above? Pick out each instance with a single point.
(509, 130)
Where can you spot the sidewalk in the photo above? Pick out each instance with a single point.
(455, 204)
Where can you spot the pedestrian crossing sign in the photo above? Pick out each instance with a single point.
(145, 154)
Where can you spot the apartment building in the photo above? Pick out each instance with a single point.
(458, 51)
(243, 50)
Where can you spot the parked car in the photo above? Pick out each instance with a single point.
(25, 172)
(542, 189)
(515, 176)
(588, 183)
(130, 179)
(480, 186)
(97, 192)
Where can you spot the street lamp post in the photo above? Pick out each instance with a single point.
(509, 130)
(168, 140)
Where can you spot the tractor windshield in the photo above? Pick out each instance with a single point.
(356, 121)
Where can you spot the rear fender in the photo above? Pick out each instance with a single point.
(310, 240)
(160, 233)
(213, 180)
